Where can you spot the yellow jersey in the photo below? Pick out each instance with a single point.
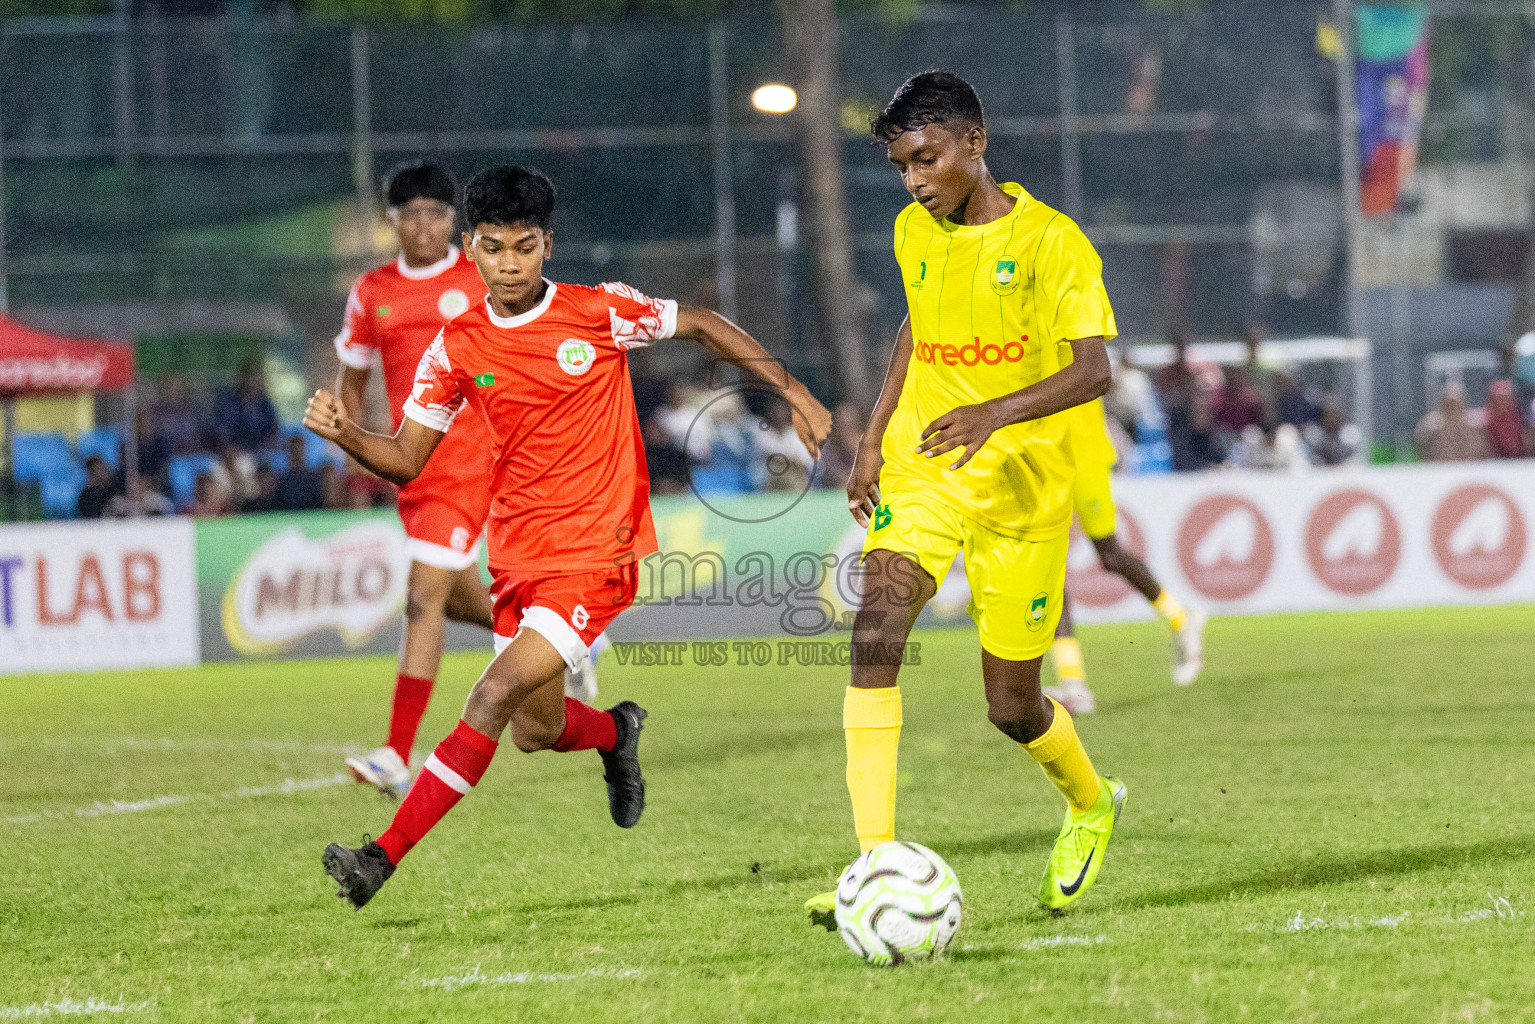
(1091, 446)
(993, 307)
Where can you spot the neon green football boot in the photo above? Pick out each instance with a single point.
(822, 909)
(1080, 847)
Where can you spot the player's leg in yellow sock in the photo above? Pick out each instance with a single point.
(1061, 754)
(1170, 611)
(871, 718)
(1066, 653)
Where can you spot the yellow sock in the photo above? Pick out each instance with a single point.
(1171, 611)
(1066, 652)
(872, 721)
(1061, 755)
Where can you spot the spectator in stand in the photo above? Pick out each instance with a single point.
(1239, 405)
(780, 461)
(236, 473)
(1506, 430)
(837, 453)
(1270, 444)
(264, 497)
(300, 488)
(209, 497)
(1332, 441)
(99, 487)
(1201, 446)
(667, 462)
(1258, 378)
(1297, 404)
(243, 415)
(1132, 399)
(139, 499)
(332, 486)
(1177, 388)
(364, 490)
(1446, 434)
(178, 421)
(154, 450)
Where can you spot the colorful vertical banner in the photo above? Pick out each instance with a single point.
(1391, 86)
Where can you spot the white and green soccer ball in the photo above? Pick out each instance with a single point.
(898, 903)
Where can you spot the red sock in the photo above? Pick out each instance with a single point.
(411, 694)
(585, 728)
(454, 768)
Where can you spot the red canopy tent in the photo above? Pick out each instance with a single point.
(34, 362)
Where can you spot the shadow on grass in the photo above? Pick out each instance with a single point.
(1005, 842)
(1318, 871)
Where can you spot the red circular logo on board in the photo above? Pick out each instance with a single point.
(1225, 547)
(1087, 582)
(1478, 536)
(1353, 542)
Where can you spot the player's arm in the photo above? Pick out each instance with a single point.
(352, 388)
(970, 426)
(863, 481)
(724, 339)
(398, 458)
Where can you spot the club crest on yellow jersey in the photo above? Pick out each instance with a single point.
(1004, 276)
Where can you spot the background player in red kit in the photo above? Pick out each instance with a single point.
(392, 314)
(543, 365)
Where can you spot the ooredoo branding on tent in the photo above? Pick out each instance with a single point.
(1478, 536)
(1225, 547)
(1353, 542)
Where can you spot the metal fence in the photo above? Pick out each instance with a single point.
(157, 164)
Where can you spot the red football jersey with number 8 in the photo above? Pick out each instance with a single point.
(569, 489)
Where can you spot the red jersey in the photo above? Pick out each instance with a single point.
(569, 491)
(392, 315)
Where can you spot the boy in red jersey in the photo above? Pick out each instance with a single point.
(543, 366)
(392, 315)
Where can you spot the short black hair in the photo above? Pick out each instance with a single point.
(933, 97)
(420, 179)
(506, 196)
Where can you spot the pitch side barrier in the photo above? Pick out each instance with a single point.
(778, 572)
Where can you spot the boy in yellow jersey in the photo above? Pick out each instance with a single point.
(966, 451)
(1093, 454)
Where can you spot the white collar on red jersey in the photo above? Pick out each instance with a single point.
(429, 271)
(523, 318)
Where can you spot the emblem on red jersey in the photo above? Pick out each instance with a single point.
(575, 356)
(451, 303)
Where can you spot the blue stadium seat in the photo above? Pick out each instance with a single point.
(277, 460)
(61, 487)
(184, 472)
(37, 455)
(103, 441)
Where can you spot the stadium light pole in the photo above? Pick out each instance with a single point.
(1348, 153)
(724, 177)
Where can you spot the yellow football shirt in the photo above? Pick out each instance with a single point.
(993, 307)
(1090, 443)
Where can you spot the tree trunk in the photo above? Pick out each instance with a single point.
(810, 36)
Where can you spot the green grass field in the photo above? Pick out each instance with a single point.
(1333, 825)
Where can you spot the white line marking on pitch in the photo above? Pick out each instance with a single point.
(474, 977)
(102, 809)
(1044, 942)
(69, 1007)
(1501, 909)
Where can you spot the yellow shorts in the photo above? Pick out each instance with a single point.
(1094, 501)
(1015, 585)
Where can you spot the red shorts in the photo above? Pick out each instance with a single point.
(442, 530)
(567, 610)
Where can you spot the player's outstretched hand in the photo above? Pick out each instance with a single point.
(325, 414)
(812, 422)
(968, 427)
(863, 483)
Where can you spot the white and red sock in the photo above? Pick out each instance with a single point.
(411, 695)
(455, 767)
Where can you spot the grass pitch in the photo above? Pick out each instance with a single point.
(1334, 824)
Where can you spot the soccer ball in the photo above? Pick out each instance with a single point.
(898, 902)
